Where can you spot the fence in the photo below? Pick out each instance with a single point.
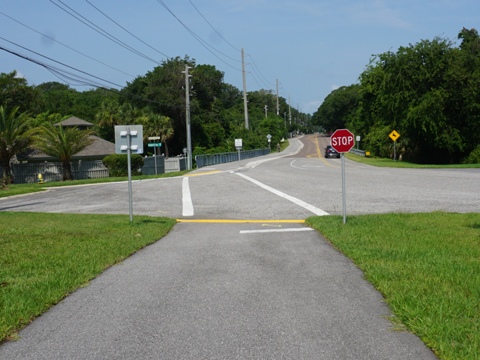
(214, 159)
(93, 169)
(52, 171)
(153, 165)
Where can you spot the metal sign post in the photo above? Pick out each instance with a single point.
(342, 140)
(394, 136)
(344, 197)
(128, 138)
(238, 146)
(154, 145)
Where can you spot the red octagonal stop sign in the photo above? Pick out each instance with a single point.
(342, 140)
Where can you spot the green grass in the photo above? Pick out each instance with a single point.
(44, 257)
(427, 266)
(383, 162)
(20, 189)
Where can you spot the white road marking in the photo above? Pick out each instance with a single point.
(275, 230)
(186, 198)
(296, 201)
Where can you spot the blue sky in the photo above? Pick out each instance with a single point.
(311, 46)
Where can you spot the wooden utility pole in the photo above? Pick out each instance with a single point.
(245, 101)
(187, 111)
(278, 103)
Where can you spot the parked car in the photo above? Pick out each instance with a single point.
(331, 152)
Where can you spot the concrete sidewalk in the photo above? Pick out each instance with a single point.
(216, 291)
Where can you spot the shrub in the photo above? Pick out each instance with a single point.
(117, 164)
(474, 157)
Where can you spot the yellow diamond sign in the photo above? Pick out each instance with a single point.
(394, 135)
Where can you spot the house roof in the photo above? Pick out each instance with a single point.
(99, 148)
(74, 121)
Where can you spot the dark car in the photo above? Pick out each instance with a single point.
(331, 152)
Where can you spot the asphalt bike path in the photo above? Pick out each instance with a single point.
(224, 289)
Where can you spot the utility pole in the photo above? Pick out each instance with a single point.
(187, 111)
(289, 111)
(266, 111)
(245, 101)
(278, 103)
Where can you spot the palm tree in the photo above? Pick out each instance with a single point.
(14, 137)
(158, 125)
(62, 143)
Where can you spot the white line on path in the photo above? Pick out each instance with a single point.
(186, 198)
(296, 201)
(274, 230)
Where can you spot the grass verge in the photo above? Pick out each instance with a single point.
(45, 257)
(21, 189)
(383, 162)
(427, 266)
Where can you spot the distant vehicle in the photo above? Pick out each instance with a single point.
(331, 152)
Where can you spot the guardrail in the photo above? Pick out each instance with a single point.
(358, 152)
(222, 158)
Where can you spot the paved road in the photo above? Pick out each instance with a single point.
(270, 289)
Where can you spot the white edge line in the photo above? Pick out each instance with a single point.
(296, 201)
(186, 198)
(275, 230)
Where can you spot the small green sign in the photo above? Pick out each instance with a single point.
(154, 144)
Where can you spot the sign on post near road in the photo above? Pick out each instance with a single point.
(343, 141)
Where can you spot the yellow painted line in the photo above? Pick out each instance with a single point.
(319, 153)
(203, 173)
(232, 221)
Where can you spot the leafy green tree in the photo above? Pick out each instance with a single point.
(14, 138)
(338, 108)
(61, 143)
(15, 91)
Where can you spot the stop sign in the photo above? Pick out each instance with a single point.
(342, 140)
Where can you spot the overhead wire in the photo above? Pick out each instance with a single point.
(254, 66)
(68, 76)
(202, 42)
(58, 62)
(216, 31)
(66, 46)
(123, 28)
(101, 31)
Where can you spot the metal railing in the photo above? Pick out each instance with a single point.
(222, 158)
(358, 152)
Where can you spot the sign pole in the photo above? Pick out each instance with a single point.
(344, 200)
(342, 140)
(129, 162)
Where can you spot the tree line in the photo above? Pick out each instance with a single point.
(429, 92)
(155, 100)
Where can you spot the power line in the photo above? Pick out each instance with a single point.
(233, 46)
(101, 31)
(68, 47)
(199, 39)
(260, 74)
(58, 62)
(120, 26)
(67, 76)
